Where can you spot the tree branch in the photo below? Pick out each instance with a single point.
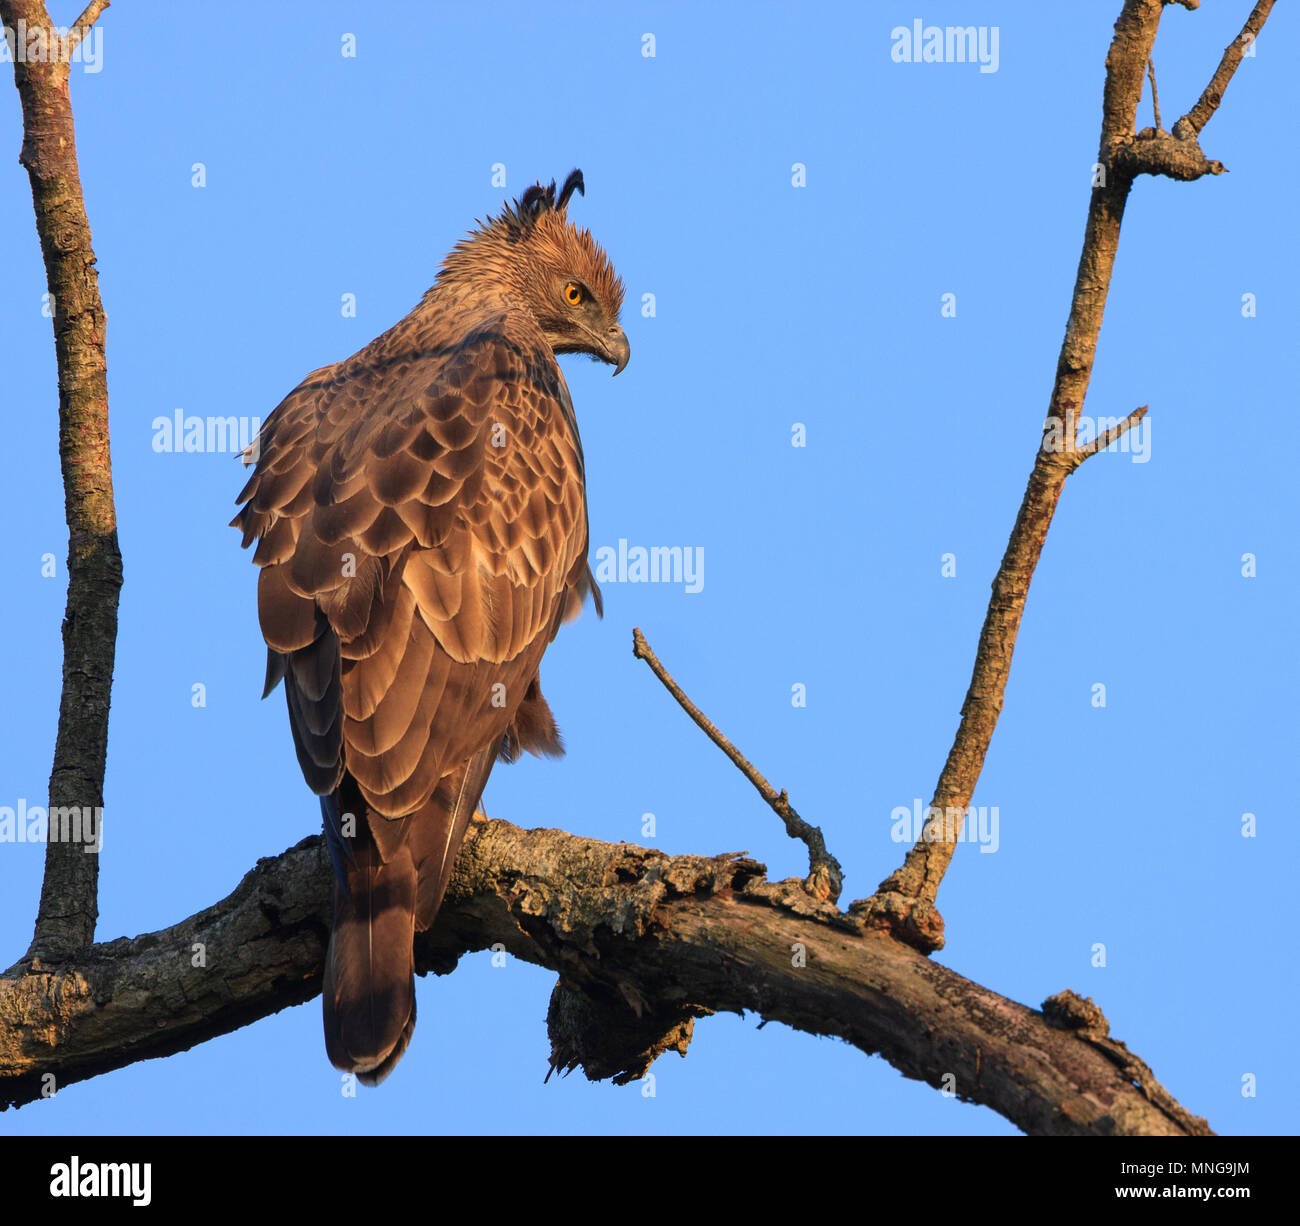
(1191, 124)
(1106, 438)
(65, 921)
(1155, 96)
(825, 876)
(904, 903)
(637, 936)
(81, 27)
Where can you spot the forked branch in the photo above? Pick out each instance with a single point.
(905, 902)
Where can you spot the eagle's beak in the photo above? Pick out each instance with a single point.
(617, 350)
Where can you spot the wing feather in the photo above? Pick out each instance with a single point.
(420, 517)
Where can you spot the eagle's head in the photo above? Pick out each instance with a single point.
(532, 251)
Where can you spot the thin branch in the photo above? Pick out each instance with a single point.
(81, 27)
(1191, 124)
(904, 903)
(1155, 97)
(65, 920)
(641, 941)
(825, 877)
(1113, 435)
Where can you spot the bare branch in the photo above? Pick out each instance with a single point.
(1191, 124)
(825, 877)
(1126, 63)
(65, 921)
(1104, 440)
(905, 902)
(81, 27)
(1155, 97)
(640, 939)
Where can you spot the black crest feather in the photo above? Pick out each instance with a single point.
(572, 183)
(537, 199)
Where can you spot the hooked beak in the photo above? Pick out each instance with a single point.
(617, 350)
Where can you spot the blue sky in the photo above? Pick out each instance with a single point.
(774, 305)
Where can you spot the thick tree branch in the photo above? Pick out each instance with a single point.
(646, 940)
(65, 921)
(905, 902)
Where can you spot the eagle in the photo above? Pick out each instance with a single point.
(420, 514)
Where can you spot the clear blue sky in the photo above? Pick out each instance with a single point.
(775, 304)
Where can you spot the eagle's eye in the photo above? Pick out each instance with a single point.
(573, 293)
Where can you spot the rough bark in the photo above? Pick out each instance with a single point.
(643, 943)
(65, 920)
(904, 903)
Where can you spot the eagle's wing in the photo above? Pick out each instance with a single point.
(421, 517)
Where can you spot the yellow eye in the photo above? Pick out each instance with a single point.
(573, 293)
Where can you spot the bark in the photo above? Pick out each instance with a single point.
(643, 943)
(904, 903)
(65, 920)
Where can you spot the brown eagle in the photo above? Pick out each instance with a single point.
(421, 517)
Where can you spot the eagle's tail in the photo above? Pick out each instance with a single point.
(369, 991)
(390, 878)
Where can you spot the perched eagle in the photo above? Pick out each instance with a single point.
(421, 517)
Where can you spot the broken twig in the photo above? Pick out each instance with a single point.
(825, 877)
